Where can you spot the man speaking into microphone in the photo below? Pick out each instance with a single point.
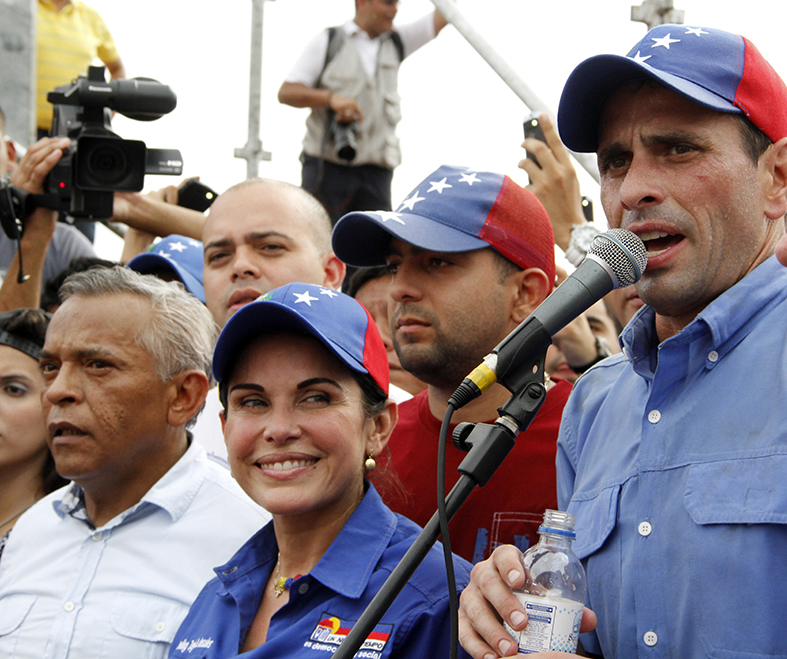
(673, 454)
(471, 256)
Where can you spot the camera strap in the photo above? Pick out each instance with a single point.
(15, 206)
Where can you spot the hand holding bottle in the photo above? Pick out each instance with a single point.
(554, 590)
(489, 597)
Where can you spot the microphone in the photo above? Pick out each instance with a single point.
(616, 259)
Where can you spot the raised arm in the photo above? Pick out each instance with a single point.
(554, 182)
(39, 226)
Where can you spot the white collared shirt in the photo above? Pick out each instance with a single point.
(309, 65)
(121, 590)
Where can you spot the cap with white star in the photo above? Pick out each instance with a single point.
(180, 255)
(338, 321)
(713, 68)
(454, 209)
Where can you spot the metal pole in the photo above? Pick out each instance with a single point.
(252, 151)
(656, 12)
(452, 14)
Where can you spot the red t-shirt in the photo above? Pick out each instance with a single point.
(510, 508)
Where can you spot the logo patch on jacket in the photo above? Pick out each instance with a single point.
(331, 631)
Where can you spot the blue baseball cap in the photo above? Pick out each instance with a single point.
(713, 68)
(339, 322)
(181, 255)
(454, 209)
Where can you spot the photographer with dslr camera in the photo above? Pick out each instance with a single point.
(348, 75)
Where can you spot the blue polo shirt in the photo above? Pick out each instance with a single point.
(673, 457)
(325, 603)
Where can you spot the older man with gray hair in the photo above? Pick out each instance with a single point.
(109, 565)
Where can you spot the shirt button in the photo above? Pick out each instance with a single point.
(644, 529)
(650, 639)
(160, 626)
(713, 356)
(97, 536)
(303, 588)
(654, 416)
(69, 606)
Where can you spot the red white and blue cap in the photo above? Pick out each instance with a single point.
(454, 209)
(713, 68)
(181, 255)
(339, 322)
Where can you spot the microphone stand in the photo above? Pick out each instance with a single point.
(488, 445)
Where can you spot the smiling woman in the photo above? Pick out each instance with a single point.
(303, 377)
(27, 471)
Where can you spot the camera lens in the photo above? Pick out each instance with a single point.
(344, 136)
(107, 164)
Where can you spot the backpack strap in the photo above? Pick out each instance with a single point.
(397, 41)
(335, 40)
(336, 36)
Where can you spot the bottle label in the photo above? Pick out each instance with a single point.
(553, 624)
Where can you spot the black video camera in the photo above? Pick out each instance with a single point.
(99, 162)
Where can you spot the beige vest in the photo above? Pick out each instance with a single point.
(379, 102)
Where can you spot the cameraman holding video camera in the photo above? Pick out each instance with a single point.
(88, 172)
(47, 246)
(348, 75)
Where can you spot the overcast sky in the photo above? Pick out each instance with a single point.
(456, 109)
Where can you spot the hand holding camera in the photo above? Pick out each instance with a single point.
(344, 115)
(346, 109)
(34, 167)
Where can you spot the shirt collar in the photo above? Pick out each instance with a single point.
(352, 29)
(349, 562)
(176, 489)
(258, 551)
(728, 319)
(173, 492)
(72, 503)
(357, 548)
(69, 6)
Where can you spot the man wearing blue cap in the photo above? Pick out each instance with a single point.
(672, 455)
(174, 258)
(472, 255)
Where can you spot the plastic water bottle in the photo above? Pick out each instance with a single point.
(554, 591)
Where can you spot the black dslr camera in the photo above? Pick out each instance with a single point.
(345, 137)
(99, 162)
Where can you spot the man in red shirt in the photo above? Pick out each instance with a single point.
(471, 255)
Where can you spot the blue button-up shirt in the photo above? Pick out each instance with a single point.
(673, 457)
(68, 589)
(325, 603)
